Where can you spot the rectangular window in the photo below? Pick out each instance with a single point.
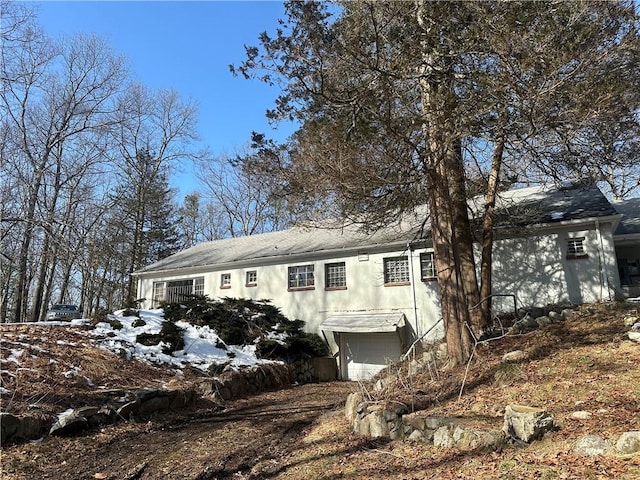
(396, 271)
(301, 277)
(225, 280)
(335, 276)
(575, 248)
(177, 290)
(158, 294)
(198, 286)
(427, 266)
(252, 279)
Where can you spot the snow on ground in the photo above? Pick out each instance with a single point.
(203, 348)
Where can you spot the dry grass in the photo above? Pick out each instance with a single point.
(586, 363)
(47, 369)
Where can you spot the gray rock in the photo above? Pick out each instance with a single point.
(478, 439)
(458, 433)
(68, 423)
(544, 320)
(413, 420)
(443, 437)
(515, 356)
(590, 446)
(555, 317)
(634, 336)
(568, 314)
(581, 415)
(434, 423)
(128, 409)
(630, 320)
(526, 423)
(86, 411)
(528, 322)
(361, 425)
(628, 442)
(416, 436)
(378, 426)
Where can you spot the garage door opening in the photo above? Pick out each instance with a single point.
(367, 342)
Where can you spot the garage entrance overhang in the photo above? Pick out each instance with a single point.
(363, 322)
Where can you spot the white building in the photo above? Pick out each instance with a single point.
(372, 295)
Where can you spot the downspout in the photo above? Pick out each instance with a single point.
(600, 262)
(413, 291)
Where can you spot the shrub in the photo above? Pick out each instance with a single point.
(138, 322)
(170, 334)
(239, 321)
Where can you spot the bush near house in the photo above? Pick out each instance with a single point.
(239, 321)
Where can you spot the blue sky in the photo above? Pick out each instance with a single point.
(187, 46)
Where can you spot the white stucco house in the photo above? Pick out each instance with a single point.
(372, 295)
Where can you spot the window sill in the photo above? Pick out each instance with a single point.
(429, 279)
(225, 287)
(397, 284)
(251, 285)
(299, 289)
(577, 257)
(331, 289)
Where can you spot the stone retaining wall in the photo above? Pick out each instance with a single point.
(135, 405)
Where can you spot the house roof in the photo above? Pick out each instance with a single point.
(630, 210)
(290, 242)
(547, 204)
(526, 206)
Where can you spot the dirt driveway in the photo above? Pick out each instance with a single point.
(251, 438)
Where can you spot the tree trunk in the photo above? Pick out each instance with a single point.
(444, 161)
(452, 298)
(464, 239)
(486, 263)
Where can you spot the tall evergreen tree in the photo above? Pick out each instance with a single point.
(396, 98)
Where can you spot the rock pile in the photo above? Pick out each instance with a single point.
(141, 403)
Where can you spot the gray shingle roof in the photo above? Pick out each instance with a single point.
(526, 206)
(630, 223)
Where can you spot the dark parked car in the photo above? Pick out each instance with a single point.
(63, 312)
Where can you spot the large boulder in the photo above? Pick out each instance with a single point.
(526, 423)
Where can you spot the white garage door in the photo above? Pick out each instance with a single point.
(365, 354)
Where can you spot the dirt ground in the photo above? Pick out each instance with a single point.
(583, 364)
(249, 438)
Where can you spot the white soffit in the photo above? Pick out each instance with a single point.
(363, 322)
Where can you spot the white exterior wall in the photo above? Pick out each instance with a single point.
(365, 291)
(535, 269)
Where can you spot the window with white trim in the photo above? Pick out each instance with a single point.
(335, 276)
(301, 277)
(158, 294)
(252, 278)
(396, 271)
(427, 266)
(575, 248)
(198, 286)
(225, 280)
(176, 291)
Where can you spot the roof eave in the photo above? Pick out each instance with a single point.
(275, 259)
